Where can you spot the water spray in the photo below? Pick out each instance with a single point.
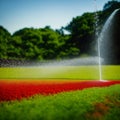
(98, 41)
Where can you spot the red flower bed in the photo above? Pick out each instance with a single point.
(17, 90)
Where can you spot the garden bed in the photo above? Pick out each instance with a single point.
(18, 89)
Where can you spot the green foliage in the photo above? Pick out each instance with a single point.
(72, 105)
(113, 4)
(4, 42)
(82, 30)
(35, 44)
(31, 42)
(46, 43)
(108, 8)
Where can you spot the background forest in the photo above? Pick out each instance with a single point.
(46, 43)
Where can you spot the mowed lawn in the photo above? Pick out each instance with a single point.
(61, 72)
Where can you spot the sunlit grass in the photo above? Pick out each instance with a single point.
(61, 72)
(111, 72)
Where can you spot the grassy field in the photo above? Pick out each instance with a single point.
(61, 72)
(88, 104)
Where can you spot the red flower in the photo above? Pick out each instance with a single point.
(17, 90)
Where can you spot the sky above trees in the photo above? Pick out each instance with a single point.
(17, 14)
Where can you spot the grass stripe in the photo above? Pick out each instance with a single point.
(61, 72)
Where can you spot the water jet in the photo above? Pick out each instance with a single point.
(109, 42)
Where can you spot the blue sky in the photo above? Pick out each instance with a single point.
(17, 14)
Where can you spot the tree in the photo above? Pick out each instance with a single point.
(108, 8)
(37, 44)
(30, 45)
(4, 42)
(14, 51)
(114, 4)
(82, 30)
(51, 43)
(46, 43)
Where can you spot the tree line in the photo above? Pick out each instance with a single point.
(46, 43)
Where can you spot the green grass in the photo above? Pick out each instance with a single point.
(111, 72)
(88, 104)
(61, 72)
